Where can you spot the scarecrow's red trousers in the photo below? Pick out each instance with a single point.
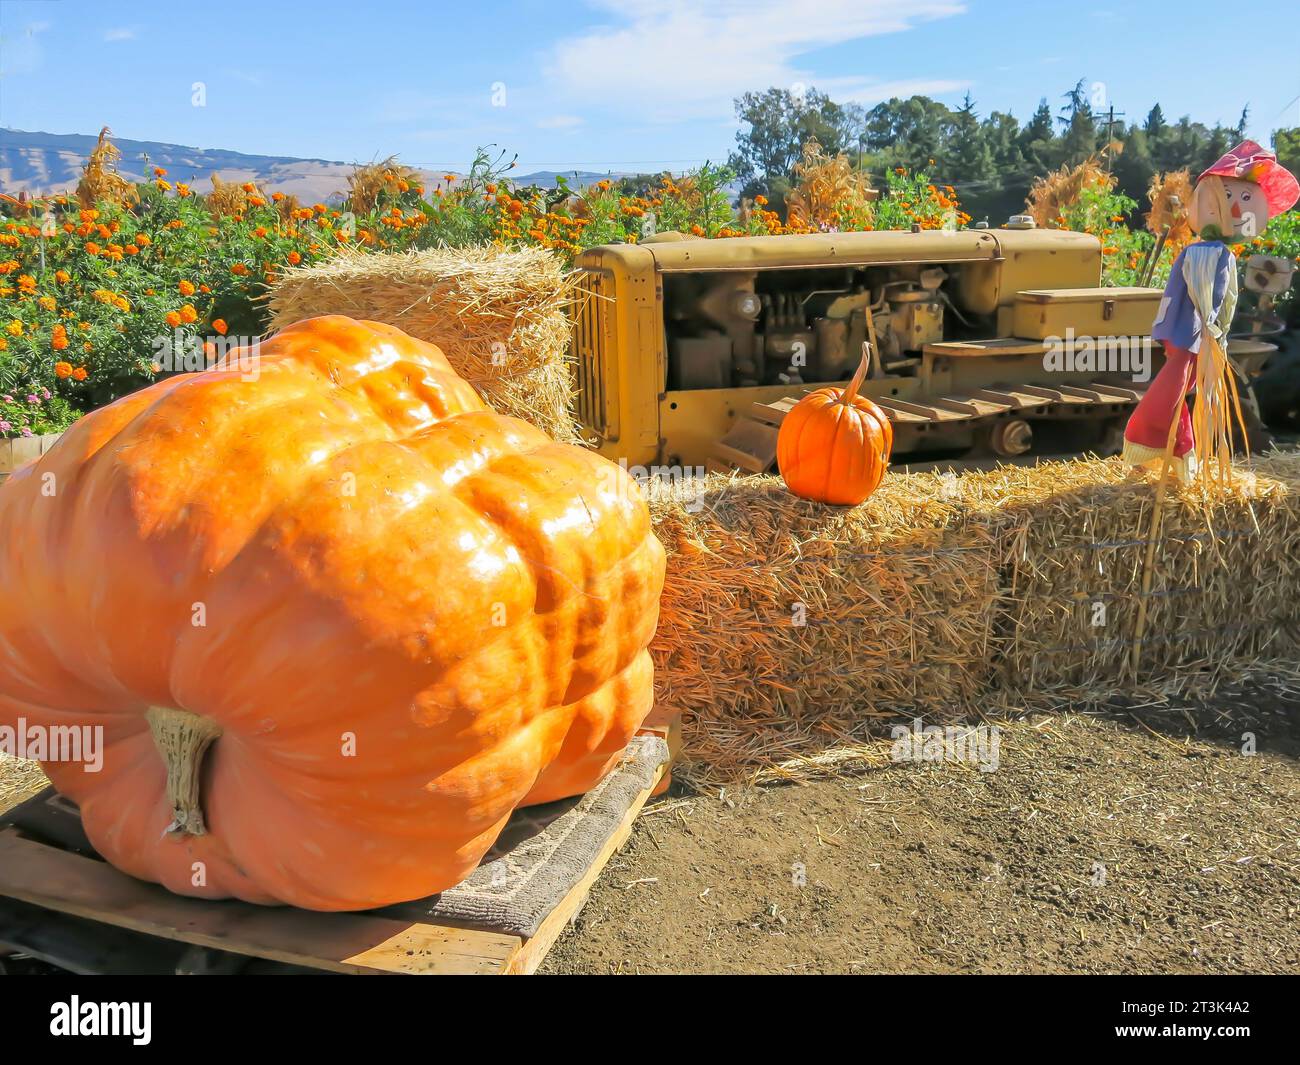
(1165, 400)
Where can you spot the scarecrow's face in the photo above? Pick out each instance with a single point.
(1247, 208)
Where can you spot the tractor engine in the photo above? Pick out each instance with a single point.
(744, 329)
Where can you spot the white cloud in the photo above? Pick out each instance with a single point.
(671, 59)
(120, 34)
(860, 91)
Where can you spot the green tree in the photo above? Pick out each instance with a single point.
(1079, 139)
(1286, 142)
(1037, 140)
(775, 126)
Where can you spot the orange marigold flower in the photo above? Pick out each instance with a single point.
(46, 303)
(159, 172)
(219, 325)
(189, 314)
(92, 248)
(239, 269)
(59, 341)
(62, 370)
(62, 277)
(173, 319)
(143, 240)
(80, 374)
(294, 258)
(186, 288)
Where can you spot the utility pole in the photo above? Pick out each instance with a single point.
(1111, 115)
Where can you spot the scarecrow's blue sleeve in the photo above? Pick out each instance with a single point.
(1177, 323)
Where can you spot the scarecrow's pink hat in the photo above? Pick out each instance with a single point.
(1250, 162)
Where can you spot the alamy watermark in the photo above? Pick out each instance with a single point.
(183, 353)
(1089, 354)
(979, 744)
(55, 743)
(692, 478)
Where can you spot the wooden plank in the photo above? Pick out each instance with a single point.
(84, 947)
(338, 942)
(536, 947)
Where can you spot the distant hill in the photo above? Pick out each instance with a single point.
(43, 163)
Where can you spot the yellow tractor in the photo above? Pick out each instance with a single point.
(985, 344)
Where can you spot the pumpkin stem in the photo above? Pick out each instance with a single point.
(850, 393)
(183, 738)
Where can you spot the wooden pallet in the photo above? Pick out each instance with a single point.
(63, 905)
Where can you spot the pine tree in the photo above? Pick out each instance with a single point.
(1037, 140)
(1080, 138)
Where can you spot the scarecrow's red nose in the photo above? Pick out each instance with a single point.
(1236, 210)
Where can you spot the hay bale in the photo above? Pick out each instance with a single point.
(944, 596)
(784, 624)
(1221, 595)
(498, 315)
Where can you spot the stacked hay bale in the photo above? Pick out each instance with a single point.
(945, 595)
(1224, 587)
(786, 625)
(499, 316)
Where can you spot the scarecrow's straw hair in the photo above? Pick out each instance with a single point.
(369, 181)
(1050, 195)
(499, 316)
(945, 596)
(1161, 192)
(100, 180)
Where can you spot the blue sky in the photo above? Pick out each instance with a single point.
(604, 84)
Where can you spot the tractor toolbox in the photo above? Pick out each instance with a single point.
(1114, 312)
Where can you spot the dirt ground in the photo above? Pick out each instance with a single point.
(1128, 841)
(1131, 840)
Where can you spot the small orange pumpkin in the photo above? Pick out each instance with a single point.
(834, 444)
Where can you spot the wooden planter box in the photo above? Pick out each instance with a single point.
(18, 451)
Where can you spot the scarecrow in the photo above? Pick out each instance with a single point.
(1232, 203)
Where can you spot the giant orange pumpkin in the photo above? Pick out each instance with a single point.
(834, 444)
(336, 623)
